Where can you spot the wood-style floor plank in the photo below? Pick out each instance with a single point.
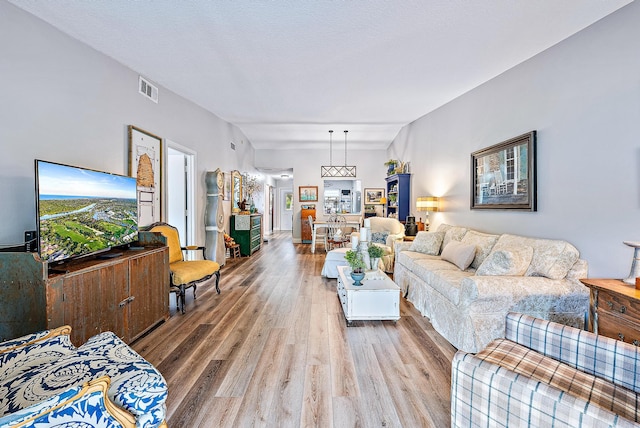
(273, 350)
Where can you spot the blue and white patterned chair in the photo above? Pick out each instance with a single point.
(44, 378)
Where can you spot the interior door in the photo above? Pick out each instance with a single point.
(180, 194)
(177, 193)
(286, 209)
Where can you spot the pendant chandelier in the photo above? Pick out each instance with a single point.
(337, 171)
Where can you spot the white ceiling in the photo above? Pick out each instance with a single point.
(287, 71)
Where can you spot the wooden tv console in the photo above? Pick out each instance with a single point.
(127, 294)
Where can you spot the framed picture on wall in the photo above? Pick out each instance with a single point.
(145, 163)
(308, 193)
(373, 195)
(503, 176)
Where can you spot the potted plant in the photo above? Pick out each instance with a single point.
(355, 260)
(375, 253)
(391, 166)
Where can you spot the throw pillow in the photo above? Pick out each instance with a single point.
(484, 242)
(453, 233)
(552, 258)
(459, 254)
(509, 262)
(427, 243)
(379, 237)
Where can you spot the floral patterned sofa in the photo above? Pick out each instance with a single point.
(46, 381)
(466, 282)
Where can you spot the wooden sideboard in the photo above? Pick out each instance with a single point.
(306, 232)
(246, 230)
(127, 294)
(615, 309)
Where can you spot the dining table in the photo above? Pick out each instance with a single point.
(355, 224)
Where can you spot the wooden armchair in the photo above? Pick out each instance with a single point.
(185, 273)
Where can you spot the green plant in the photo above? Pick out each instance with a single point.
(391, 162)
(375, 252)
(355, 260)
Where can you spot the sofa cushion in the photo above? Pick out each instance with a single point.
(511, 262)
(427, 243)
(551, 258)
(451, 233)
(459, 254)
(379, 237)
(408, 258)
(484, 242)
(444, 277)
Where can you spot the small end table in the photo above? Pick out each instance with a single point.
(615, 309)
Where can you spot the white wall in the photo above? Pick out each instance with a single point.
(583, 98)
(65, 102)
(306, 172)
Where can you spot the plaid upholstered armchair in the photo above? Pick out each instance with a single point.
(545, 374)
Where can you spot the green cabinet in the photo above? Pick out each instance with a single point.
(246, 230)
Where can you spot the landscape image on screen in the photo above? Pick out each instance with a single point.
(81, 211)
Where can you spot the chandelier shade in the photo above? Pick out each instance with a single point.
(337, 171)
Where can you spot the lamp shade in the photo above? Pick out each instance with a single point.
(383, 200)
(427, 203)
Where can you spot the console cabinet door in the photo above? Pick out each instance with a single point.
(91, 301)
(148, 292)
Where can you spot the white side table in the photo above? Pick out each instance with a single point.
(377, 299)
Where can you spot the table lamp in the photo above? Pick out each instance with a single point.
(383, 201)
(427, 204)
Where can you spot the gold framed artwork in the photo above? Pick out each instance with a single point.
(145, 163)
(373, 195)
(308, 193)
(236, 190)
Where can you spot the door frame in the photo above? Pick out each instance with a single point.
(190, 165)
(282, 193)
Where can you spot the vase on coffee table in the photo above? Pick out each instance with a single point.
(357, 278)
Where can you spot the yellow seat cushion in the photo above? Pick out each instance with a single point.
(184, 272)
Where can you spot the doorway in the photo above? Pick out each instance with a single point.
(286, 209)
(180, 194)
(271, 209)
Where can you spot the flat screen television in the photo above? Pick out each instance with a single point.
(82, 212)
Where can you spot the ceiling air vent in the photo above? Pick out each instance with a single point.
(147, 89)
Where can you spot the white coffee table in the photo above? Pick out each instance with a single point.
(378, 298)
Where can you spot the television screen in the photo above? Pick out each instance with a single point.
(81, 211)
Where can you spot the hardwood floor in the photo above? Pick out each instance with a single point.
(273, 350)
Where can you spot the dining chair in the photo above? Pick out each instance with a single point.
(321, 232)
(335, 224)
